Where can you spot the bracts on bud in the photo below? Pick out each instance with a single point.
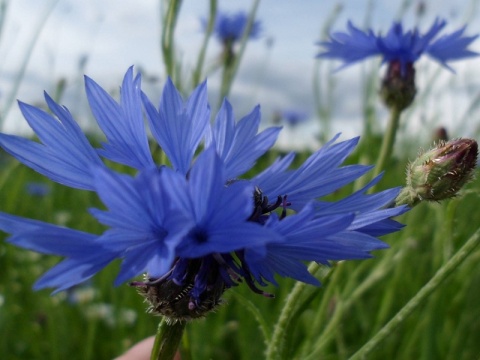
(440, 173)
(398, 87)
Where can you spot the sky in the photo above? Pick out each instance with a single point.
(69, 38)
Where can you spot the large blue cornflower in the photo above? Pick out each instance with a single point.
(403, 47)
(229, 28)
(196, 226)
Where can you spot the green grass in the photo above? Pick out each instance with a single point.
(331, 322)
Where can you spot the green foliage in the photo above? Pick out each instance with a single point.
(331, 322)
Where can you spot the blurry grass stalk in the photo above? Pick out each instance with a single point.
(167, 340)
(276, 344)
(230, 67)
(35, 33)
(198, 73)
(297, 300)
(3, 12)
(388, 142)
(324, 95)
(168, 44)
(325, 328)
(422, 295)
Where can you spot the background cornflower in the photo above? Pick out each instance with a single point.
(404, 47)
(229, 28)
(291, 117)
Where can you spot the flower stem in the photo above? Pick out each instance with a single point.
(197, 74)
(167, 340)
(388, 142)
(231, 67)
(420, 297)
(169, 23)
(275, 346)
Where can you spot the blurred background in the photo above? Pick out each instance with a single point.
(45, 45)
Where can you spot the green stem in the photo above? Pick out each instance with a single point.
(208, 32)
(388, 142)
(167, 340)
(420, 297)
(231, 66)
(275, 347)
(11, 96)
(169, 23)
(346, 302)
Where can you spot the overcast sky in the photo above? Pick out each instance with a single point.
(110, 35)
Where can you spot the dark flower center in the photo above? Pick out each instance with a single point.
(199, 234)
(193, 287)
(262, 207)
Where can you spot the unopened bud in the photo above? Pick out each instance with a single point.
(398, 86)
(440, 173)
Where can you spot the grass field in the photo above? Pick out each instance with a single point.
(98, 321)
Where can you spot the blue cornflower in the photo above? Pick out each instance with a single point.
(292, 117)
(398, 46)
(229, 28)
(195, 226)
(36, 188)
(400, 50)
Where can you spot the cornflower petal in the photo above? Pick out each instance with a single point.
(122, 123)
(179, 127)
(85, 256)
(451, 47)
(305, 238)
(318, 176)
(350, 47)
(405, 47)
(373, 215)
(219, 213)
(64, 154)
(238, 144)
(144, 227)
(72, 271)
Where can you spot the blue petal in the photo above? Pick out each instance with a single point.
(71, 272)
(65, 155)
(398, 45)
(238, 144)
(451, 47)
(46, 238)
(178, 127)
(359, 201)
(219, 213)
(86, 256)
(350, 47)
(320, 175)
(146, 223)
(122, 123)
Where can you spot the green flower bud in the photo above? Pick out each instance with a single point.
(440, 173)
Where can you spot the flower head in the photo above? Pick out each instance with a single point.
(37, 188)
(292, 117)
(229, 28)
(196, 226)
(400, 50)
(404, 47)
